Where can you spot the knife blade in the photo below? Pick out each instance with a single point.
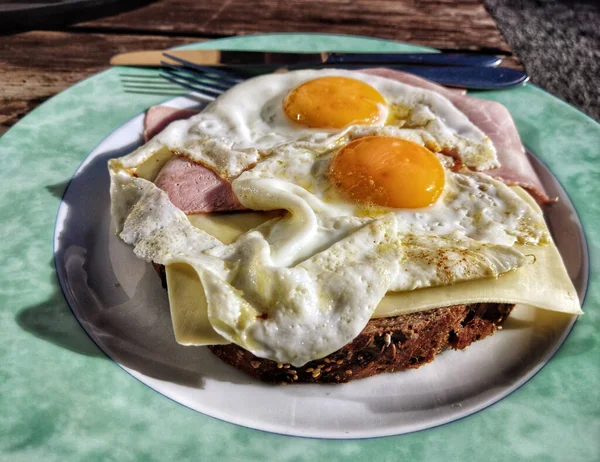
(472, 78)
(255, 59)
(468, 77)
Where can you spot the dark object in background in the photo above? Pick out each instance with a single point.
(558, 42)
(21, 15)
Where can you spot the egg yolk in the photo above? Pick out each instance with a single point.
(334, 102)
(388, 171)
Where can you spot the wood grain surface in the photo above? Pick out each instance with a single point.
(36, 65)
(463, 24)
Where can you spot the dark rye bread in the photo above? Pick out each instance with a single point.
(384, 345)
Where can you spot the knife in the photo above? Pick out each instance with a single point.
(469, 77)
(277, 60)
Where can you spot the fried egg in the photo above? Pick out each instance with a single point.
(370, 175)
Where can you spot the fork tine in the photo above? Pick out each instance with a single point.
(196, 77)
(151, 91)
(157, 81)
(152, 76)
(159, 84)
(227, 76)
(206, 92)
(200, 86)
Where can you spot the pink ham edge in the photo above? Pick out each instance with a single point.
(191, 187)
(411, 79)
(496, 122)
(158, 117)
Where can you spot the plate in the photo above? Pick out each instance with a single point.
(63, 397)
(120, 302)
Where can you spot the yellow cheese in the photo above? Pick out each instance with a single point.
(228, 226)
(189, 310)
(543, 284)
(150, 167)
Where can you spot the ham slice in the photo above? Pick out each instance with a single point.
(495, 121)
(193, 188)
(158, 117)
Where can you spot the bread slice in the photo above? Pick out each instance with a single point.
(384, 345)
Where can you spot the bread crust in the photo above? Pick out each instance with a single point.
(384, 345)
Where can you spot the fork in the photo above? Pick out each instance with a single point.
(208, 81)
(211, 82)
(177, 79)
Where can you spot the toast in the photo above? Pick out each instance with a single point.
(385, 345)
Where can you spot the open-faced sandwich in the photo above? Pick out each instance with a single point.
(328, 225)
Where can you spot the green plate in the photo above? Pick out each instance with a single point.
(63, 399)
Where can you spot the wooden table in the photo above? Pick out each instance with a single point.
(37, 64)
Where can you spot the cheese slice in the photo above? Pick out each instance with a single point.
(189, 309)
(227, 227)
(542, 284)
(150, 167)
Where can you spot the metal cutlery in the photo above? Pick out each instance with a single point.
(213, 81)
(271, 60)
(178, 73)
